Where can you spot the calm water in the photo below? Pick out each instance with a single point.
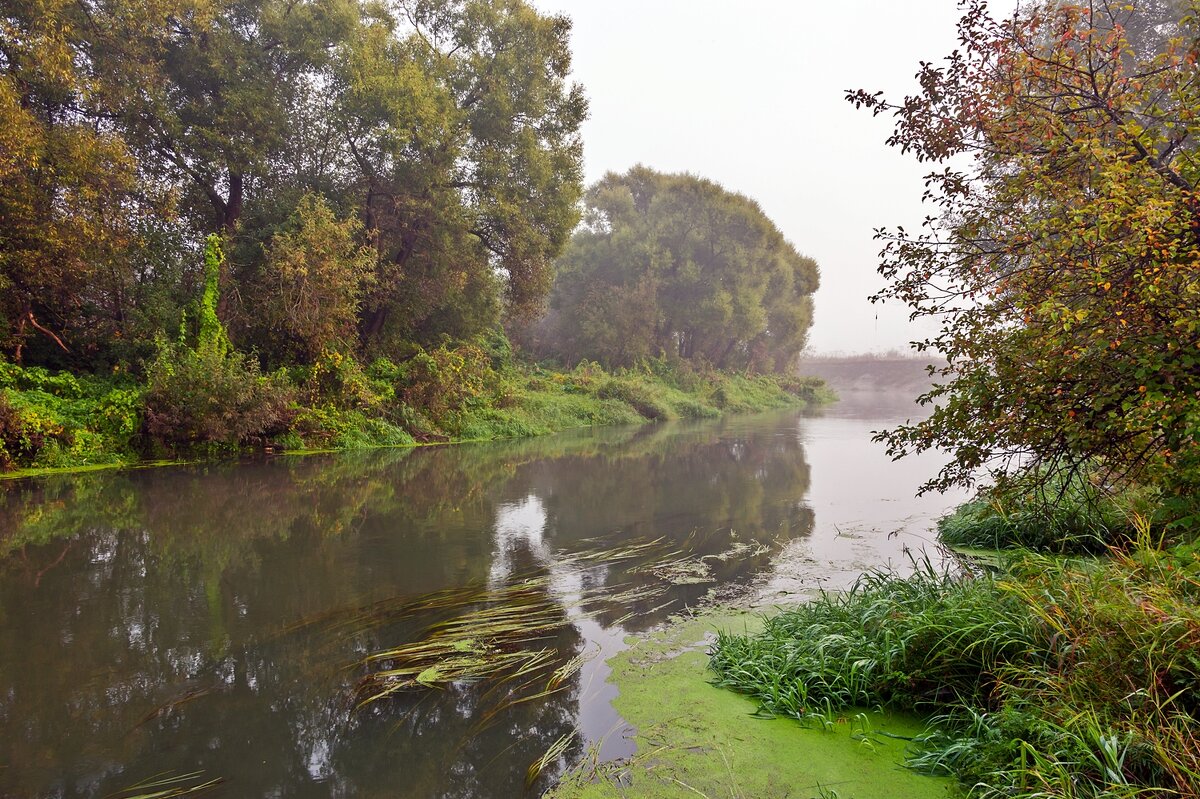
(202, 619)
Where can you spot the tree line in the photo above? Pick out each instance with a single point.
(379, 172)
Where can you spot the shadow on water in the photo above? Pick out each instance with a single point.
(194, 619)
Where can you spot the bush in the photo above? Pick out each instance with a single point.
(444, 379)
(207, 398)
(340, 381)
(23, 435)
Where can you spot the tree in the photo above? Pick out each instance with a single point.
(70, 202)
(678, 265)
(448, 128)
(465, 136)
(312, 283)
(208, 90)
(1063, 259)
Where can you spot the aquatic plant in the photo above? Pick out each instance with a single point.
(168, 786)
(503, 633)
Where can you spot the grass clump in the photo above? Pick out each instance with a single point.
(1048, 678)
(1064, 514)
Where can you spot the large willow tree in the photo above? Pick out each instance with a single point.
(676, 265)
(1063, 259)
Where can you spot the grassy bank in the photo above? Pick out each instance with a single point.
(701, 743)
(186, 408)
(1046, 678)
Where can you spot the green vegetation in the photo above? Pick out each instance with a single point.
(198, 401)
(236, 224)
(678, 265)
(1060, 257)
(1063, 514)
(1061, 265)
(379, 173)
(701, 742)
(1050, 678)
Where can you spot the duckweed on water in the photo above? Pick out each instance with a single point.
(1049, 678)
(703, 742)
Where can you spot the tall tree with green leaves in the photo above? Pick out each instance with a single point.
(70, 201)
(1063, 258)
(465, 135)
(677, 265)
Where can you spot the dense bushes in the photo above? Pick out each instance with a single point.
(208, 398)
(1051, 678)
(205, 398)
(22, 438)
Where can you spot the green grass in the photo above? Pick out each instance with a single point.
(1048, 678)
(87, 421)
(1064, 515)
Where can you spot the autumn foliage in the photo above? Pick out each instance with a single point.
(1063, 254)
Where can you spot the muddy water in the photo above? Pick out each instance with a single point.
(204, 623)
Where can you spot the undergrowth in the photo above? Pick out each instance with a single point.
(1047, 678)
(1063, 514)
(206, 399)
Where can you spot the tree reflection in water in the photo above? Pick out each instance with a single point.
(188, 619)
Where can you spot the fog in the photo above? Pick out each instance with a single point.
(751, 95)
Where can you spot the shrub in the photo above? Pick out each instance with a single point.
(339, 380)
(444, 379)
(24, 434)
(211, 399)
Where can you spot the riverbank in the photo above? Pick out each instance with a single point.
(708, 741)
(54, 422)
(1024, 674)
(1040, 676)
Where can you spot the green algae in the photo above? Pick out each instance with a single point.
(694, 739)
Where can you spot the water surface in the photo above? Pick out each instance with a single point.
(201, 619)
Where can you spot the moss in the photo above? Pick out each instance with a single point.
(705, 740)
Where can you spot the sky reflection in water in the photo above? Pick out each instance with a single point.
(186, 619)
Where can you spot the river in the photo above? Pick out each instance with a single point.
(215, 622)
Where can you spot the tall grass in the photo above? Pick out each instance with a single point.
(1063, 514)
(1048, 678)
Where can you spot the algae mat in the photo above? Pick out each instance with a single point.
(694, 739)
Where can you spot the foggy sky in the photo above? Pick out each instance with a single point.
(750, 94)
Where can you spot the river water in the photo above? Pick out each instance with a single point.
(211, 622)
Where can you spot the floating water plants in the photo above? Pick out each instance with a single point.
(168, 786)
(508, 632)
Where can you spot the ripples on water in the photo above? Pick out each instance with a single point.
(209, 619)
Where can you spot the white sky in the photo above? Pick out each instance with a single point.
(750, 94)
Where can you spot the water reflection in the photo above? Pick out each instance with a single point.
(176, 620)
